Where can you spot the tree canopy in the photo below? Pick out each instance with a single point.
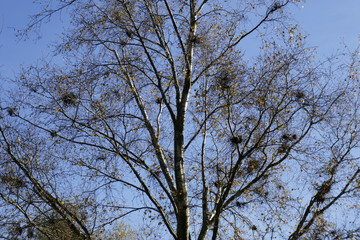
(159, 119)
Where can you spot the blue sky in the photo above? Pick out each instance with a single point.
(329, 23)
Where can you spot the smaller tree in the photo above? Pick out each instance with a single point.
(118, 231)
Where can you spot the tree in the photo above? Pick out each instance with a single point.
(158, 114)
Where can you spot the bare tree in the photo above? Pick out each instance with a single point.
(159, 116)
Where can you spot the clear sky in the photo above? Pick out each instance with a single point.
(329, 23)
